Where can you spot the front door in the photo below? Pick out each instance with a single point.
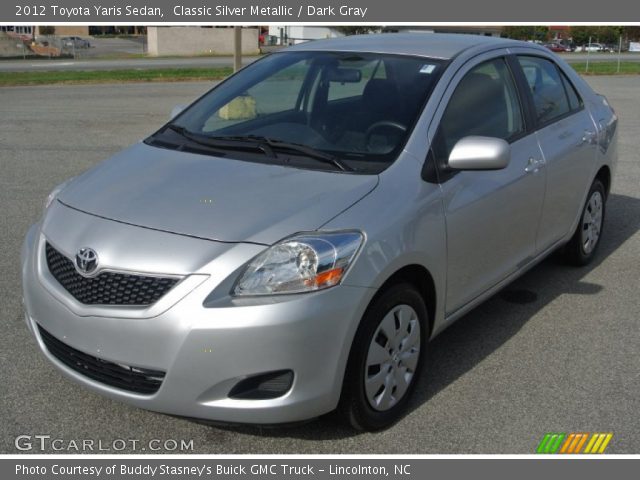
(492, 217)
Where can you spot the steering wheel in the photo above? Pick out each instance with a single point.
(379, 125)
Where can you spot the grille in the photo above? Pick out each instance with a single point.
(106, 288)
(132, 379)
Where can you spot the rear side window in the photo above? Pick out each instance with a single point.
(575, 102)
(484, 103)
(553, 95)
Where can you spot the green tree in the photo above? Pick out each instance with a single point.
(581, 34)
(632, 33)
(356, 30)
(517, 32)
(609, 34)
(526, 32)
(603, 34)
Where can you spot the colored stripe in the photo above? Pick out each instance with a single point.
(543, 443)
(567, 443)
(590, 444)
(572, 443)
(598, 442)
(606, 441)
(557, 443)
(582, 440)
(576, 437)
(550, 443)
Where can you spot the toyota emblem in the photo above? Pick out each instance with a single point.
(86, 261)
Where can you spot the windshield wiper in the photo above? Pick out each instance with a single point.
(296, 147)
(223, 143)
(256, 142)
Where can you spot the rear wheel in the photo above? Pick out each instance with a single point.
(585, 241)
(386, 359)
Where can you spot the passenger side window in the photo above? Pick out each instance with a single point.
(553, 94)
(484, 103)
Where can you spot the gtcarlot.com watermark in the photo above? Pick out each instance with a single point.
(44, 443)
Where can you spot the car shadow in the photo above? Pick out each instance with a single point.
(483, 330)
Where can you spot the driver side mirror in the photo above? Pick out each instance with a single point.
(480, 153)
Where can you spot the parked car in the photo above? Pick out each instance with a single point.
(593, 47)
(289, 243)
(613, 47)
(75, 42)
(557, 47)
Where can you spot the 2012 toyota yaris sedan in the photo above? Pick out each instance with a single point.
(288, 244)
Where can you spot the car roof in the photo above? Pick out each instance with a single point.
(433, 45)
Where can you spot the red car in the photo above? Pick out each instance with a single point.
(556, 47)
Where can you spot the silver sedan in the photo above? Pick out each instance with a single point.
(288, 244)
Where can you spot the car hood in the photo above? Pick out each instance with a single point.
(212, 197)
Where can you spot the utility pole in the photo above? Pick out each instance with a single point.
(619, 52)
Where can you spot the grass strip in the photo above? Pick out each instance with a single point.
(113, 76)
(607, 68)
(8, 79)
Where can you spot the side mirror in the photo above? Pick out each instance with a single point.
(480, 153)
(177, 110)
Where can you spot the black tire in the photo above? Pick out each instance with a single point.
(354, 404)
(575, 252)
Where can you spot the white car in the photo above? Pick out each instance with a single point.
(592, 47)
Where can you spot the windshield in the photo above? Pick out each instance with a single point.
(347, 110)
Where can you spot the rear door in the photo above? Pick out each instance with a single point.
(568, 140)
(491, 216)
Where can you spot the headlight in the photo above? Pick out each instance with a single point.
(303, 263)
(55, 192)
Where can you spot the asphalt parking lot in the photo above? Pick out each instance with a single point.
(556, 352)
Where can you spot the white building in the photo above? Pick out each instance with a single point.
(166, 40)
(292, 34)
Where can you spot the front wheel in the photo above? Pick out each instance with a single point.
(585, 241)
(386, 359)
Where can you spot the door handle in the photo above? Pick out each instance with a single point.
(534, 165)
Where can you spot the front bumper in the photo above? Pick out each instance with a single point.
(204, 351)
